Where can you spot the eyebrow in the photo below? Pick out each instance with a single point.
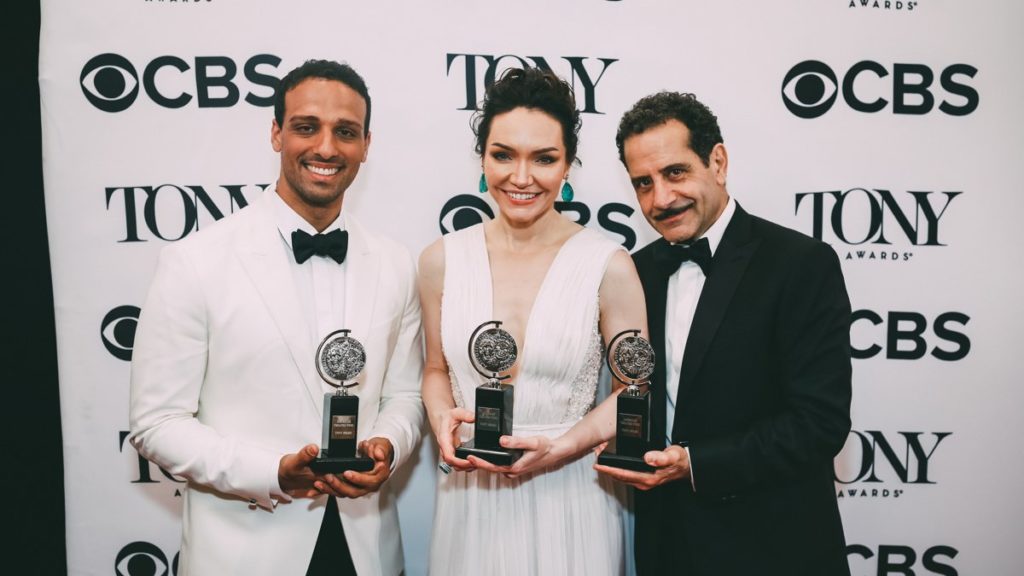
(317, 119)
(538, 151)
(684, 166)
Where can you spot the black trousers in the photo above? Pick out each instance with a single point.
(331, 556)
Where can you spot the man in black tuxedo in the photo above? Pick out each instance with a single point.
(751, 394)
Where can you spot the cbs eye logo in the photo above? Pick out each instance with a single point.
(109, 82)
(118, 331)
(143, 559)
(809, 89)
(463, 211)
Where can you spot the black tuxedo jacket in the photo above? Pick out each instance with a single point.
(764, 406)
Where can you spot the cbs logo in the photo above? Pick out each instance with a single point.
(111, 83)
(890, 559)
(463, 211)
(811, 88)
(144, 559)
(118, 331)
(906, 335)
(466, 210)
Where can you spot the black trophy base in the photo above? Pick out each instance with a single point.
(324, 464)
(635, 463)
(498, 456)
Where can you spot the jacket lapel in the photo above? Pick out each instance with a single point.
(655, 284)
(730, 262)
(363, 270)
(264, 260)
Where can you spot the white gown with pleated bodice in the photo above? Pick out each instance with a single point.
(560, 521)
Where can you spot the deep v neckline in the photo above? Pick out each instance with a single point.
(540, 290)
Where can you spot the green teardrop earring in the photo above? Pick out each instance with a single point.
(483, 183)
(567, 192)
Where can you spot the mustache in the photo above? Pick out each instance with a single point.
(672, 211)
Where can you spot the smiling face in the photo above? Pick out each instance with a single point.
(678, 194)
(524, 162)
(322, 143)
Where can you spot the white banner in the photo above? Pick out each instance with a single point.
(887, 128)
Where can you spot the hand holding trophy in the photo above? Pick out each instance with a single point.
(340, 358)
(492, 351)
(631, 361)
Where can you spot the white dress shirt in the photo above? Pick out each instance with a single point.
(319, 284)
(319, 281)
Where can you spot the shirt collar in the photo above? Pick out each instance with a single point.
(288, 220)
(717, 230)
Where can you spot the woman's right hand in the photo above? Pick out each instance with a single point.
(446, 430)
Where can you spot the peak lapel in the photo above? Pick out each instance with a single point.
(731, 260)
(655, 284)
(265, 262)
(363, 263)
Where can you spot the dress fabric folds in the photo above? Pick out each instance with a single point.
(560, 521)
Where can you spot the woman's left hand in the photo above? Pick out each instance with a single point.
(538, 452)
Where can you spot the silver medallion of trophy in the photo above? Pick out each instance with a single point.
(339, 359)
(631, 361)
(492, 351)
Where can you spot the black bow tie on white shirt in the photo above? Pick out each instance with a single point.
(334, 245)
(670, 256)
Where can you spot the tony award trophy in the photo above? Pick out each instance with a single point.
(491, 352)
(340, 358)
(631, 361)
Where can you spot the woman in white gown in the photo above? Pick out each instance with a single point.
(562, 291)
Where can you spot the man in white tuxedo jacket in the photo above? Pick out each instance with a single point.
(224, 388)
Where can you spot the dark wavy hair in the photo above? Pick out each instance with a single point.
(328, 70)
(657, 109)
(534, 89)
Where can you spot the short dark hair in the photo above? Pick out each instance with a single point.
(657, 109)
(534, 89)
(328, 70)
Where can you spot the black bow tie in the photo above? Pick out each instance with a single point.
(334, 244)
(670, 256)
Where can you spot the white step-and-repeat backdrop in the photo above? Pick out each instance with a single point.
(890, 129)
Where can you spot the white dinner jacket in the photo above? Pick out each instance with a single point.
(224, 384)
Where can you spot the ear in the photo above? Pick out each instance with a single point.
(718, 161)
(275, 136)
(366, 149)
